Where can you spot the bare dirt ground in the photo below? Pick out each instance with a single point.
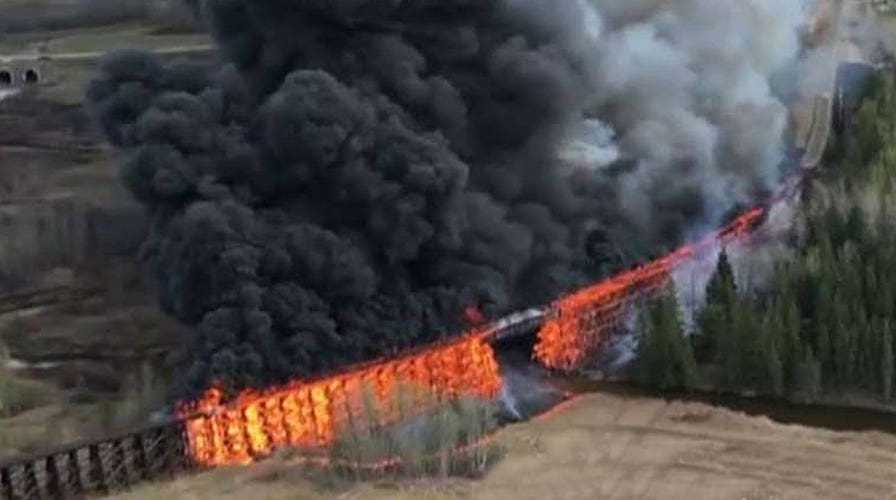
(604, 447)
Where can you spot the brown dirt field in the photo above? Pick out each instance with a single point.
(614, 447)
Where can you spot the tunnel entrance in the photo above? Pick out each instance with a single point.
(31, 76)
(5, 78)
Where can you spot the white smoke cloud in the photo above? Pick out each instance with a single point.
(684, 89)
(594, 147)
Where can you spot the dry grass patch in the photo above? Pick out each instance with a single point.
(18, 395)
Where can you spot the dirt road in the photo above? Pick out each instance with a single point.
(606, 447)
(88, 55)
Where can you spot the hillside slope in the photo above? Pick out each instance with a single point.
(613, 447)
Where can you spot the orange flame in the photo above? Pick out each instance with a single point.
(579, 320)
(309, 413)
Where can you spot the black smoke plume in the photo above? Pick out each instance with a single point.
(358, 171)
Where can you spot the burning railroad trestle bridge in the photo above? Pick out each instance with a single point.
(211, 432)
(309, 413)
(147, 124)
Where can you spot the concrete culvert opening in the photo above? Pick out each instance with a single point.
(5, 78)
(31, 76)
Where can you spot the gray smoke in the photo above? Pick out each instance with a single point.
(360, 170)
(688, 87)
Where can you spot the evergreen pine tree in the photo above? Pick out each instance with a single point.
(775, 342)
(809, 376)
(790, 355)
(887, 368)
(664, 357)
(825, 356)
(723, 278)
(774, 370)
(840, 341)
(733, 351)
(752, 361)
(714, 320)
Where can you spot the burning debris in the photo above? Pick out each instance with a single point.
(360, 171)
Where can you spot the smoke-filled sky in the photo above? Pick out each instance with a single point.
(360, 170)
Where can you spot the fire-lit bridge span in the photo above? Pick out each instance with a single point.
(569, 330)
(212, 431)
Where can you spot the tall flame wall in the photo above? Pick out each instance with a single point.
(311, 413)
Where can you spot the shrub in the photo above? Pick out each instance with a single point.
(17, 394)
(141, 394)
(451, 439)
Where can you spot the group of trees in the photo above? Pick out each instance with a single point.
(754, 342)
(826, 320)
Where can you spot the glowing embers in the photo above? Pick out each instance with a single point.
(310, 413)
(581, 320)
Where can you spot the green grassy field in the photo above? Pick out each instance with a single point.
(68, 82)
(99, 39)
(141, 37)
(67, 79)
(96, 180)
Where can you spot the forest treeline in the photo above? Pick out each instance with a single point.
(825, 321)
